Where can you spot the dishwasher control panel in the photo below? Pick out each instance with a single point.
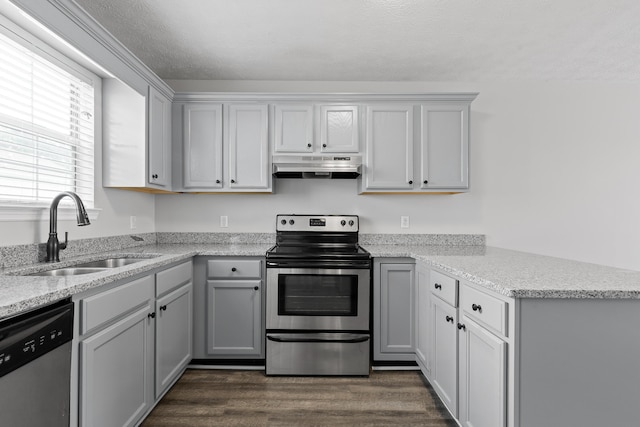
(27, 336)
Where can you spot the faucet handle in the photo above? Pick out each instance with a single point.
(66, 239)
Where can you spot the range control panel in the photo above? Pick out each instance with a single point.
(320, 223)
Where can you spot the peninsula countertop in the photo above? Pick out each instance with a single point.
(509, 273)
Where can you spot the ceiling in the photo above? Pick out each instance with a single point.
(379, 40)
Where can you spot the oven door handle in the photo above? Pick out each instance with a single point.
(319, 337)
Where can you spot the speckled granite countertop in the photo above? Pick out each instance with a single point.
(20, 293)
(520, 274)
(510, 273)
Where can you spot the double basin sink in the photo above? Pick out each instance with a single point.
(92, 266)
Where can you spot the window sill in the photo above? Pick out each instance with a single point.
(17, 212)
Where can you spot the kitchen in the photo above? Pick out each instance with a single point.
(552, 164)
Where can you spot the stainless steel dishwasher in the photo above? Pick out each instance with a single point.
(35, 366)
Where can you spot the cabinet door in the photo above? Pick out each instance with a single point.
(202, 147)
(445, 146)
(444, 357)
(234, 313)
(248, 147)
(159, 138)
(339, 129)
(389, 141)
(174, 316)
(482, 377)
(293, 128)
(116, 372)
(423, 321)
(396, 313)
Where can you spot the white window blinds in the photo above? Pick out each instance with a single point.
(46, 128)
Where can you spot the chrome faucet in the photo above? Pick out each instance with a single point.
(53, 245)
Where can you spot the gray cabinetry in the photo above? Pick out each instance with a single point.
(132, 346)
(136, 137)
(174, 319)
(393, 310)
(233, 317)
(422, 319)
(469, 351)
(293, 128)
(159, 139)
(339, 125)
(224, 147)
(389, 147)
(444, 146)
(116, 363)
(482, 358)
(444, 357)
(418, 147)
(247, 147)
(228, 306)
(201, 146)
(482, 370)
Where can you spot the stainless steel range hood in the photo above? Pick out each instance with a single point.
(327, 167)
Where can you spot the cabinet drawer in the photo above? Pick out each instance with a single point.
(487, 310)
(235, 268)
(99, 309)
(173, 277)
(444, 287)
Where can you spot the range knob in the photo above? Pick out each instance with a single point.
(283, 222)
(343, 223)
(291, 222)
(351, 223)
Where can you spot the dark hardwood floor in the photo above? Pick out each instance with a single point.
(249, 398)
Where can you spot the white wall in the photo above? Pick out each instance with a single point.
(553, 171)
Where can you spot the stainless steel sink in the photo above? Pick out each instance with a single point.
(68, 271)
(93, 266)
(111, 262)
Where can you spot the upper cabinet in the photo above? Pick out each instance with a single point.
(202, 146)
(293, 128)
(444, 146)
(416, 147)
(411, 143)
(136, 138)
(159, 119)
(224, 148)
(248, 147)
(389, 147)
(339, 126)
(320, 128)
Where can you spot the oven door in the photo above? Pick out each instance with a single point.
(328, 299)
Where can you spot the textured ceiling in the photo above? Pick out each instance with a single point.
(376, 40)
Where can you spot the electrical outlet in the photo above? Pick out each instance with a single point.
(133, 222)
(404, 222)
(224, 221)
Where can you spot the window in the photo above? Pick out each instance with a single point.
(46, 126)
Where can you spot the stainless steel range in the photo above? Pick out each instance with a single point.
(318, 297)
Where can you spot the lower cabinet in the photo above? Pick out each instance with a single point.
(422, 319)
(483, 368)
(466, 358)
(174, 317)
(444, 358)
(134, 342)
(116, 365)
(228, 308)
(393, 310)
(233, 317)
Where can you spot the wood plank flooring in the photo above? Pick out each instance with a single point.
(249, 398)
